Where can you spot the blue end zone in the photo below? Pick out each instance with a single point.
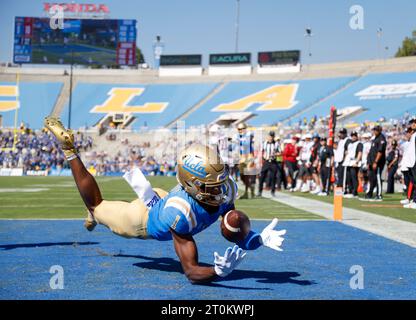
(99, 265)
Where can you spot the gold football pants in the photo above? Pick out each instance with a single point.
(127, 219)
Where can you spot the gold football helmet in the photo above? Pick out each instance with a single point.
(203, 174)
(242, 126)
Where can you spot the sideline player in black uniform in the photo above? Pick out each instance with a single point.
(392, 165)
(326, 162)
(376, 161)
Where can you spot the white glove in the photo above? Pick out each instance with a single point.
(231, 259)
(272, 238)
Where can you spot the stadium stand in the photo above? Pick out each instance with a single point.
(383, 95)
(319, 86)
(35, 100)
(152, 105)
(270, 101)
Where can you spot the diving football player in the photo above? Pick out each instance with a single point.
(204, 193)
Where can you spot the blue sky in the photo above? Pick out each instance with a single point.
(203, 27)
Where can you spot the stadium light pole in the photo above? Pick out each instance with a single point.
(308, 36)
(70, 90)
(237, 26)
(379, 34)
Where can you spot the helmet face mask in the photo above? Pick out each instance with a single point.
(203, 175)
(241, 126)
(212, 195)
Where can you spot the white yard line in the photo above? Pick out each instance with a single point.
(390, 228)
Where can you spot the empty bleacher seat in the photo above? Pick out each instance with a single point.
(382, 95)
(153, 105)
(271, 101)
(35, 100)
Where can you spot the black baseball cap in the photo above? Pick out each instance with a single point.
(413, 120)
(343, 131)
(271, 133)
(378, 128)
(354, 133)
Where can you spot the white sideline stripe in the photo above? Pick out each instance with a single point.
(390, 228)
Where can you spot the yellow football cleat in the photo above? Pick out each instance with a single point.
(64, 136)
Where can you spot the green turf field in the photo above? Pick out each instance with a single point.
(390, 206)
(57, 197)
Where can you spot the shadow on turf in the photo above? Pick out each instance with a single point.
(45, 244)
(171, 265)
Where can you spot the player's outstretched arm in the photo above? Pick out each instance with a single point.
(268, 237)
(187, 252)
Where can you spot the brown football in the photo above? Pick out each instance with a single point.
(235, 226)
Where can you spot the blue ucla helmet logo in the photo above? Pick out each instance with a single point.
(194, 166)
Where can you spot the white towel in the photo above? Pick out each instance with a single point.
(141, 186)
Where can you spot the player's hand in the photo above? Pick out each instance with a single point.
(231, 259)
(272, 238)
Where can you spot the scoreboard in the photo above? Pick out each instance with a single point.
(95, 42)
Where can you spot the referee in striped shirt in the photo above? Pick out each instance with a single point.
(269, 151)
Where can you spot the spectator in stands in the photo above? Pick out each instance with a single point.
(32, 150)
